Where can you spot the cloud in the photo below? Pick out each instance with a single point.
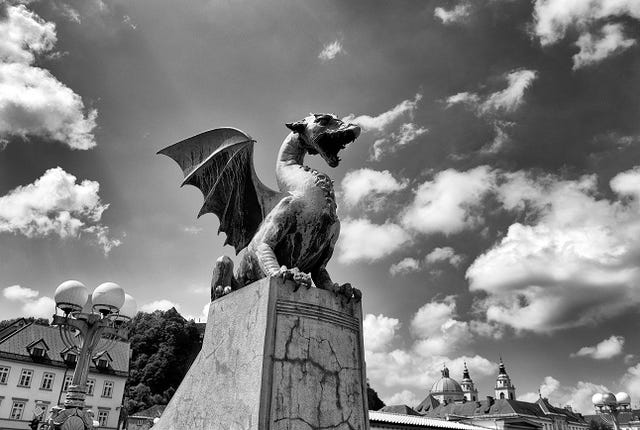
(407, 133)
(604, 350)
(404, 397)
(437, 329)
(361, 240)
(419, 365)
(32, 101)
(18, 293)
(366, 184)
(458, 14)
(575, 260)
(126, 19)
(331, 50)
(507, 100)
(406, 265)
(380, 122)
(55, 205)
(445, 204)
(593, 49)
(577, 396)
(379, 331)
(553, 18)
(159, 305)
(444, 254)
(32, 305)
(191, 229)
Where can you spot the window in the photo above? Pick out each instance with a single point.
(4, 374)
(103, 363)
(107, 389)
(103, 416)
(25, 378)
(47, 381)
(17, 409)
(67, 382)
(91, 383)
(38, 352)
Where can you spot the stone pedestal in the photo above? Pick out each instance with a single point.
(275, 359)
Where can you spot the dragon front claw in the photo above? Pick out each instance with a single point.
(299, 278)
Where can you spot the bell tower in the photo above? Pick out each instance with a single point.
(469, 390)
(504, 388)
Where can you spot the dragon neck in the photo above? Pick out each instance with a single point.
(298, 179)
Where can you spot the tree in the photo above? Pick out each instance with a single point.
(373, 400)
(163, 346)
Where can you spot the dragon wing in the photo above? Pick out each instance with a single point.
(220, 163)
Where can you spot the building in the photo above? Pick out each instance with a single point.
(504, 388)
(628, 420)
(451, 401)
(36, 368)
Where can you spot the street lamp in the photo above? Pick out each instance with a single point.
(609, 406)
(90, 324)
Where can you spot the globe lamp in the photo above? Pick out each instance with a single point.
(108, 298)
(71, 296)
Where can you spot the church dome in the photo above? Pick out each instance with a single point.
(446, 384)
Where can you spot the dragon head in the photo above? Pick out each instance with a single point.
(325, 134)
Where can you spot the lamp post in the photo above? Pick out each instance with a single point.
(609, 406)
(90, 324)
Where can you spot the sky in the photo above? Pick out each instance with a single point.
(490, 207)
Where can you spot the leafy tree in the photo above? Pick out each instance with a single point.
(597, 424)
(163, 346)
(373, 400)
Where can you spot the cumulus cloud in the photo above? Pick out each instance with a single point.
(458, 14)
(604, 350)
(379, 331)
(594, 49)
(331, 50)
(444, 204)
(18, 293)
(380, 122)
(437, 335)
(361, 240)
(407, 133)
(159, 305)
(577, 396)
(575, 260)
(507, 100)
(444, 254)
(552, 19)
(366, 184)
(437, 329)
(55, 205)
(32, 101)
(406, 265)
(31, 304)
(404, 397)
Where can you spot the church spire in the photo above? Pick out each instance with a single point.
(468, 388)
(504, 388)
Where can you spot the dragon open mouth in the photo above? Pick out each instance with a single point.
(330, 143)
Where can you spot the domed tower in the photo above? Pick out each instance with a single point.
(447, 390)
(469, 390)
(504, 388)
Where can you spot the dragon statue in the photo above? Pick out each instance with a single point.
(290, 233)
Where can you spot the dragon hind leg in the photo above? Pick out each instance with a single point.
(223, 281)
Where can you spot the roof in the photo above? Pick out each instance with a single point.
(446, 385)
(400, 409)
(14, 346)
(392, 418)
(503, 407)
(429, 403)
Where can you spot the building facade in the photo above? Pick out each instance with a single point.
(451, 401)
(36, 369)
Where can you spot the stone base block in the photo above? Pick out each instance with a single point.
(273, 358)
